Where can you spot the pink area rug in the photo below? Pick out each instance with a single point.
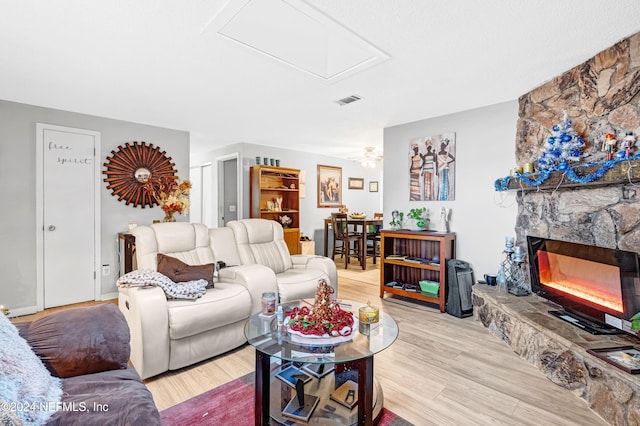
(232, 404)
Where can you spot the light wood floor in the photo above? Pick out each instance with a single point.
(441, 370)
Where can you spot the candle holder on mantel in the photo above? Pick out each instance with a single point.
(518, 285)
(507, 263)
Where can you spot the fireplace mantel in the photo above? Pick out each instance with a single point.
(622, 172)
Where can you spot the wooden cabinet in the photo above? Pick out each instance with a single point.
(275, 193)
(127, 253)
(408, 257)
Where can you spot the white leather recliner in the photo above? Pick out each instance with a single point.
(261, 242)
(171, 334)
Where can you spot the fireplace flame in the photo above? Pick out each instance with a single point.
(586, 293)
(591, 281)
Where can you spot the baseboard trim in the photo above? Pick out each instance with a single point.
(20, 312)
(109, 296)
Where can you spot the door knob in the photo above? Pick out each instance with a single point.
(52, 228)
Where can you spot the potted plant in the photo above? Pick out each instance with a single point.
(418, 218)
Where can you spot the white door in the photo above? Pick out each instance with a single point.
(69, 206)
(200, 195)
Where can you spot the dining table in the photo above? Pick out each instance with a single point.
(359, 226)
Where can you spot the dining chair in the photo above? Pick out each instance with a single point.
(341, 234)
(373, 237)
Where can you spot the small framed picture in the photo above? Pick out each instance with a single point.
(356, 183)
(626, 358)
(373, 186)
(329, 186)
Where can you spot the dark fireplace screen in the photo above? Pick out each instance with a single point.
(597, 286)
(594, 282)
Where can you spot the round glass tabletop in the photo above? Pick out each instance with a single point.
(264, 334)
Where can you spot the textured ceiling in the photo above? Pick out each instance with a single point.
(157, 62)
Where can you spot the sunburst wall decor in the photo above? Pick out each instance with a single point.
(131, 166)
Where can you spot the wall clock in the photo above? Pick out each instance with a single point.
(131, 166)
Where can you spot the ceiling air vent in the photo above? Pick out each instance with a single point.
(348, 100)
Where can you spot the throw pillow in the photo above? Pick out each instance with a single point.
(25, 383)
(79, 341)
(180, 272)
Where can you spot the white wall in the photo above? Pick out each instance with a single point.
(311, 217)
(18, 217)
(485, 151)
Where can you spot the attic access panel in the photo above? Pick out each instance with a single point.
(298, 35)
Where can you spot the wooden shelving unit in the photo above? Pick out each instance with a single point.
(417, 244)
(267, 184)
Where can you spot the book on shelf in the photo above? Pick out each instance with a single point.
(411, 287)
(318, 370)
(416, 260)
(346, 394)
(396, 257)
(295, 410)
(291, 374)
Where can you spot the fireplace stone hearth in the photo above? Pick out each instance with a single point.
(559, 350)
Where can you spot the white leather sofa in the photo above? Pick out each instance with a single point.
(261, 242)
(171, 334)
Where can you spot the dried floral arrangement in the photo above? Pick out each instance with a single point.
(171, 194)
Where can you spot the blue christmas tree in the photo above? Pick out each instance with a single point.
(563, 146)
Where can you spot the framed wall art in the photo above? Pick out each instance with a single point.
(131, 166)
(373, 186)
(356, 183)
(432, 166)
(626, 358)
(329, 186)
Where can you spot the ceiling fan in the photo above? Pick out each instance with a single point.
(369, 158)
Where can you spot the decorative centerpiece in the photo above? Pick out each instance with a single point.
(171, 195)
(325, 318)
(358, 215)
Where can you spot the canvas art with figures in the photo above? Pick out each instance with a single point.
(432, 168)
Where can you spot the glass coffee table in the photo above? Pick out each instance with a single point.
(320, 368)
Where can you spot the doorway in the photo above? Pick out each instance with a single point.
(67, 215)
(200, 210)
(229, 185)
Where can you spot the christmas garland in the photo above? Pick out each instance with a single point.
(502, 184)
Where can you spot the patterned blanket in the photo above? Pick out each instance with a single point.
(190, 290)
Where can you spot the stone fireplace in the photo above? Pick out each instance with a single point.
(600, 96)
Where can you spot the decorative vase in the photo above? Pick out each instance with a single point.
(168, 216)
(415, 224)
